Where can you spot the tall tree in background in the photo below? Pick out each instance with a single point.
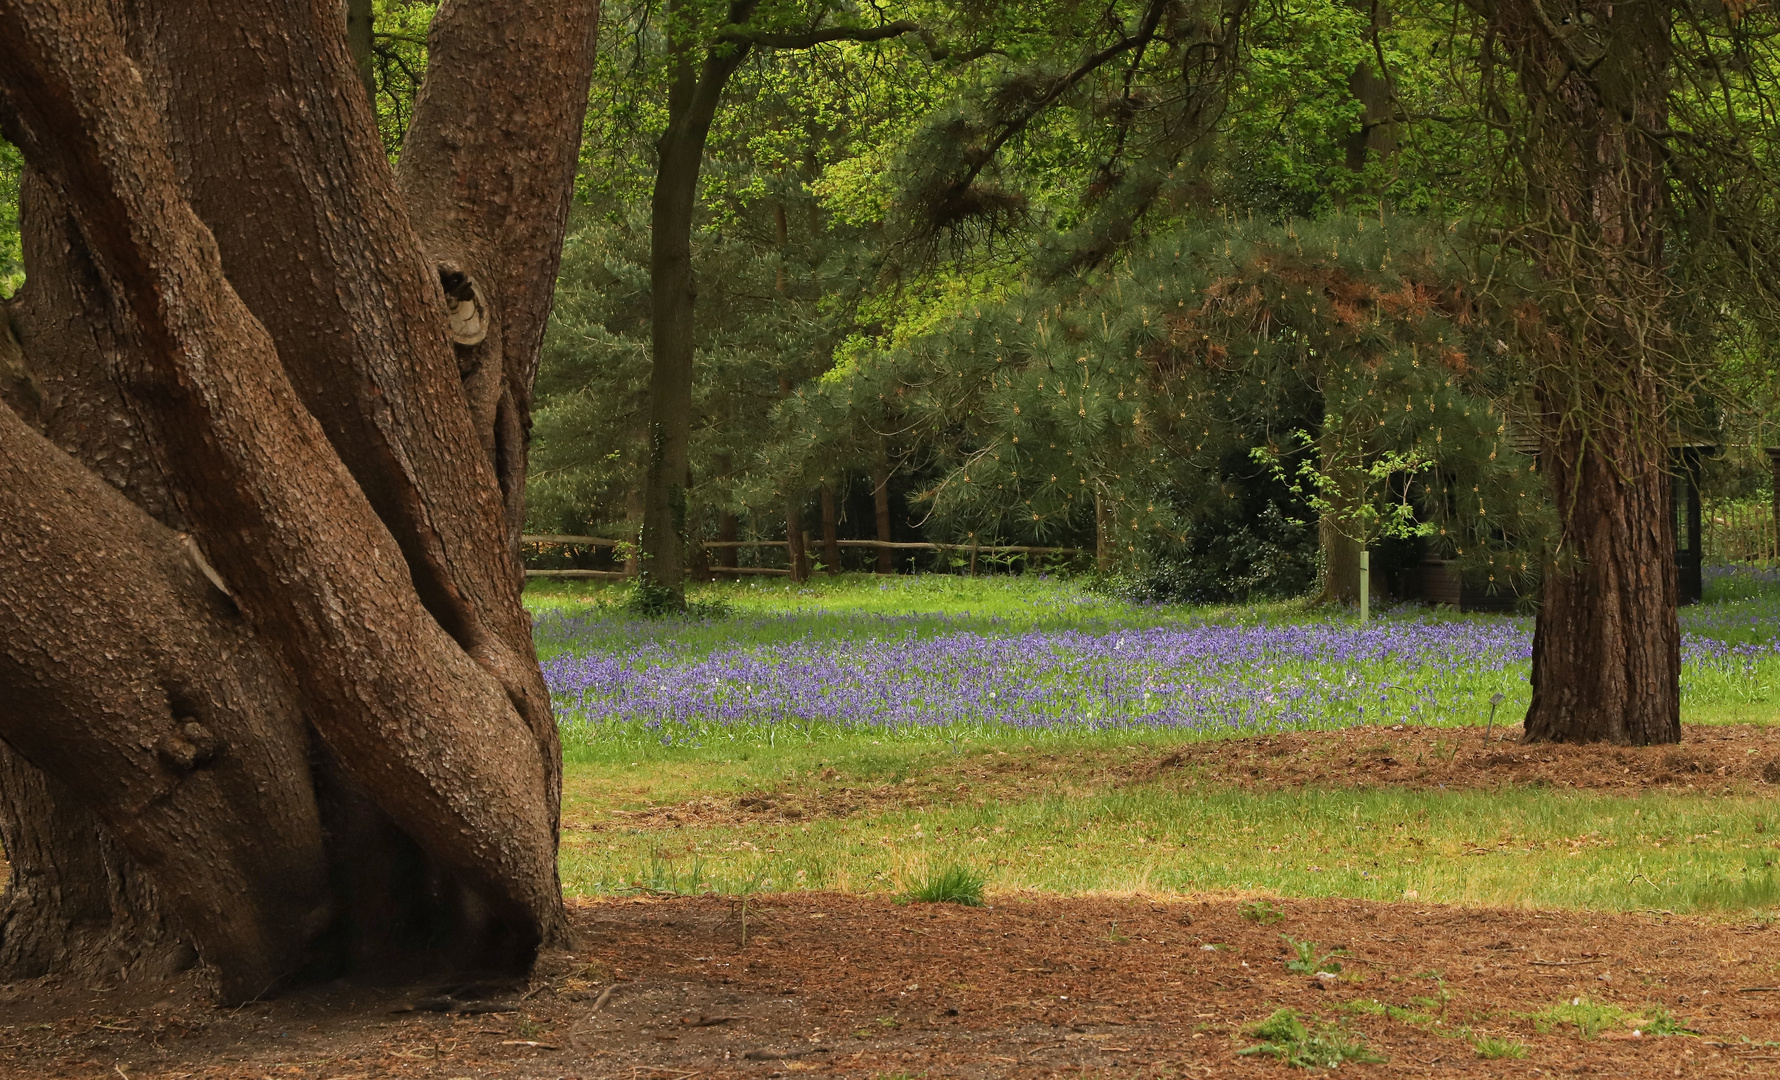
(702, 55)
(267, 693)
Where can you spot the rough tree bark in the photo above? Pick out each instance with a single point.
(269, 693)
(1606, 649)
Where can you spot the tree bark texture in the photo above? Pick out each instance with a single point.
(259, 616)
(1606, 649)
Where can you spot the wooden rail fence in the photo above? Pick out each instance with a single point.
(709, 545)
(1738, 532)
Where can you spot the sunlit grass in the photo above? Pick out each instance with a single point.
(1518, 848)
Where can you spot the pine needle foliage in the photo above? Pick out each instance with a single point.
(1116, 401)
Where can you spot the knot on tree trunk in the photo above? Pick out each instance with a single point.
(188, 747)
(465, 309)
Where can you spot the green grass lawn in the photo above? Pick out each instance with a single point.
(1062, 811)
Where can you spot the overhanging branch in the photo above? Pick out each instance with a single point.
(769, 39)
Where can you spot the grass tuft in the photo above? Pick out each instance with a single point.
(1287, 1037)
(953, 885)
(1493, 1048)
(1589, 1018)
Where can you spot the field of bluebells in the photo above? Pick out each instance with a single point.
(785, 664)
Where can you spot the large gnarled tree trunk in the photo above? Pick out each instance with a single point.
(266, 682)
(1606, 651)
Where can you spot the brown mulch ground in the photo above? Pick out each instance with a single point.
(846, 986)
(1742, 759)
(1720, 760)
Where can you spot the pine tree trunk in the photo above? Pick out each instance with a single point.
(1607, 647)
(267, 689)
(1606, 651)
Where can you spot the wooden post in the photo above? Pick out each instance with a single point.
(831, 544)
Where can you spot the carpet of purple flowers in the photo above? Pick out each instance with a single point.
(1191, 676)
(915, 673)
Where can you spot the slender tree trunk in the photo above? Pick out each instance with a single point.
(360, 38)
(693, 97)
(1606, 657)
(831, 544)
(880, 493)
(796, 550)
(728, 534)
(1103, 541)
(726, 523)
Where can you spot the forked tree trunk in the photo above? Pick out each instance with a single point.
(266, 682)
(1606, 651)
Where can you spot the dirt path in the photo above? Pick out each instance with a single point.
(843, 986)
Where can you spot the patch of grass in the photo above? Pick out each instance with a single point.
(1092, 832)
(1305, 960)
(1286, 1036)
(1589, 1018)
(1498, 1048)
(1260, 911)
(952, 885)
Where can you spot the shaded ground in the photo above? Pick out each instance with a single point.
(845, 986)
(1739, 759)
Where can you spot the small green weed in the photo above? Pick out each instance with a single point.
(1307, 962)
(1659, 1021)
(953, 885)
(1261, 911)
(1285, 1036)
(1491, 1048)
(1589, 1018)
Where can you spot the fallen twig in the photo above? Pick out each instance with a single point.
(605, 996)
(764, 1054)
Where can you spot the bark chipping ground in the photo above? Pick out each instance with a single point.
(850, 986)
